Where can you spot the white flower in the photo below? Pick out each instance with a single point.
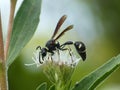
(35, 59)
(65, 57)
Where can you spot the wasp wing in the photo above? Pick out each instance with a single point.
(63, 32)
(60, 22)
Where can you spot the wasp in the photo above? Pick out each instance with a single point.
(53, 45)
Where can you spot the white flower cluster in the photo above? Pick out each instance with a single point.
(59, 57)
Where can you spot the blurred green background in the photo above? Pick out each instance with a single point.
(96, 23)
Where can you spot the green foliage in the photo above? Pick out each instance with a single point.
(24, 26)
(91, 81)
(42, 86)
(52, 87)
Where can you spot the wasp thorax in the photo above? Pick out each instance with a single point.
(50, 44)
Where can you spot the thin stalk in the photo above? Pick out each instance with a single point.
(10, 25)
(4, 51)
(1, 43)
(3, 82)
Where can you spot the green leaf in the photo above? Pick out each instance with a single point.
(91, 81)
(42, 86)
(25, 24)
(52, 87)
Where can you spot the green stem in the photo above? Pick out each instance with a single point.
(3, 82)
(62, 86)
(59, 88)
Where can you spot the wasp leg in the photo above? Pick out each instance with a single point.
(66, 43)
(52, 53)
(40, 58)
(38, 47)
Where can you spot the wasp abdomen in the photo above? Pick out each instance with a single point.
(81, 49)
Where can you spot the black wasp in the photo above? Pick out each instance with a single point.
(53, 44)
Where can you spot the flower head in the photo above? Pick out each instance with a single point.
(58, 67)
(60, 57)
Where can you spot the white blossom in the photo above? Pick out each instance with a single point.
(66, 57)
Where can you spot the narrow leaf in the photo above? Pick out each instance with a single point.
(42, 86)
(91, 81)
(24, 26)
